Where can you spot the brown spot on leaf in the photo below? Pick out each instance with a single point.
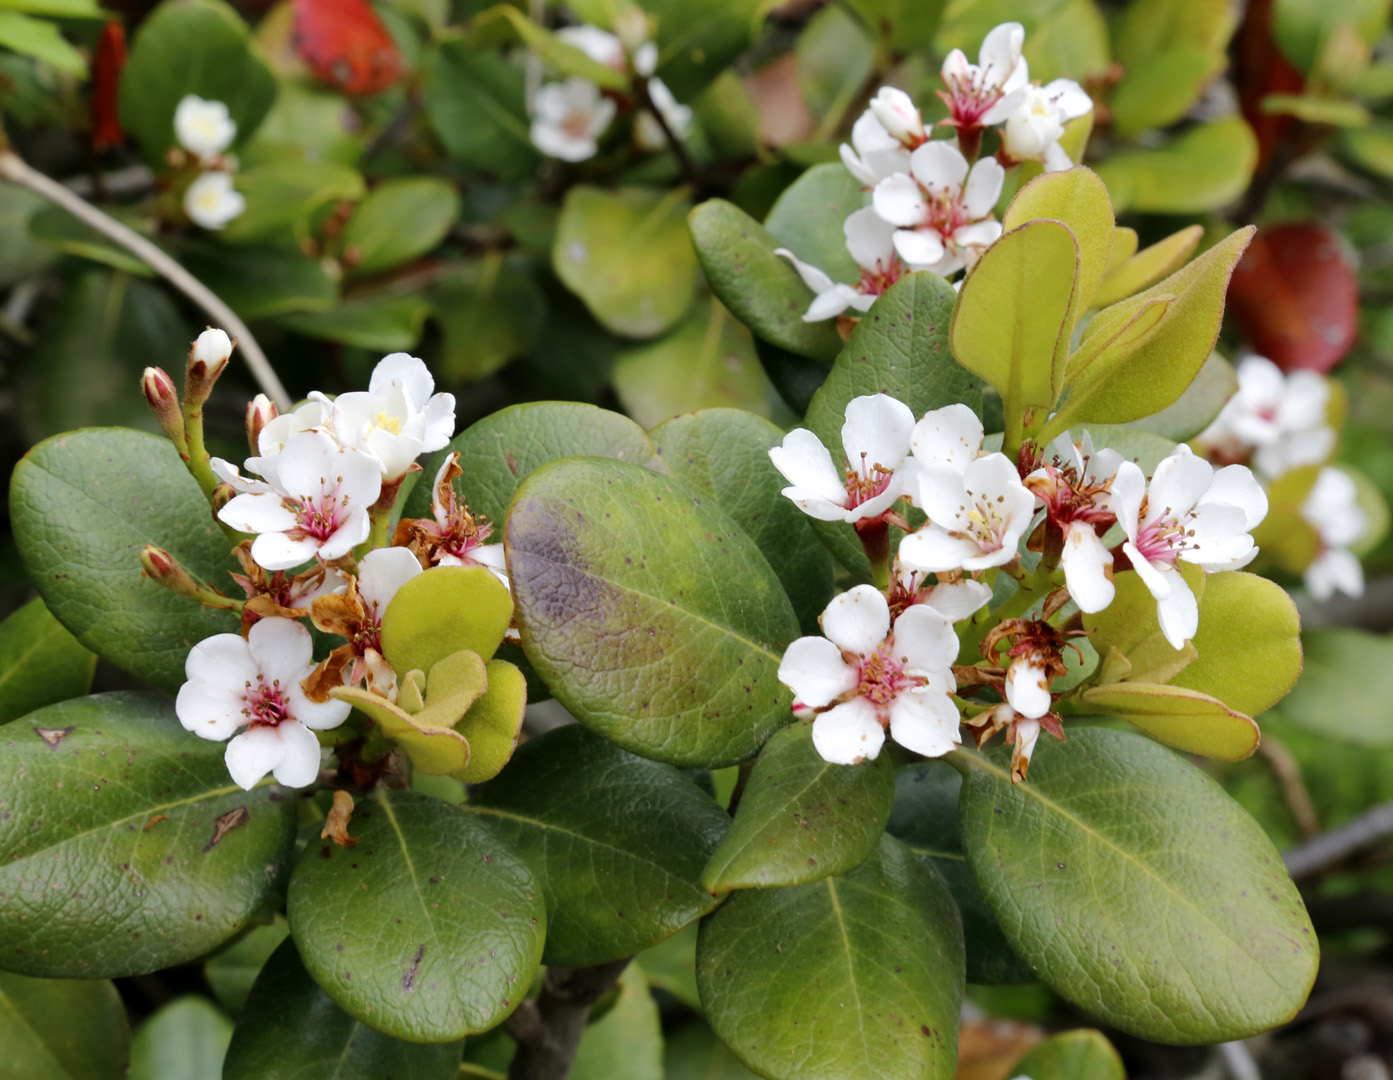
(409, 979)
(224, 824)
(153, 820)
(53, 735)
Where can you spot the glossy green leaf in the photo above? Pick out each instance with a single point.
(1197, 407)
(476, 103)
(284, 198)
(382, 322)
(707, 361)
(42, 40)
(184, 1040)
(62, 1029)
(40, 662)
(798, 982)
(456, 919)
(1204, 937)
(627, 254)
(503, 24)
(626, 1043)
(489, 312)
(401, 219)
(307, 123)
(760, 288)
(291, 1030)
(692, 1052)
(724, 454)
(1185, 719)
(260, 282)
(1203, 169)
(698, 39)
(83, 505)
(618, 843)
(193, 47)
(1148, 266)
(124, 845)
(1073, 1055)
(670, 966)
(807, 219)
(1303, 28)
(925, 818)
(1161, 90)
(651, 615)
(801, 818)
(1338, 660)
(834, 55)
(1015, 314)
(231, 971)
(1078, 199)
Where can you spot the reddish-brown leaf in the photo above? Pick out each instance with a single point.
(1261, 69)
(1295, 297)
(346, 45)
(110, 58)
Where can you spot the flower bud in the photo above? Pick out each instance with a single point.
(898, 115)
(223, 494)
(207, 360)
(160, 567)
(163, 399)
(261, 410)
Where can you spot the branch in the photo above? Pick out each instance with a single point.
(14, 169)
(684, 159)
(548, 1030)
(1334, 847)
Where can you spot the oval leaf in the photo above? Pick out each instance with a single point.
(1072, 1055)
(452, 933)
(1076, 198)
(1185, 719)
(1348, 670)
(859, 975)
(801, 818)
(67, 1029)
(124, 845)
(40, 662)
(650, 614)
(807, 218)
(1204, 937)
(403, 218)
(442, 611)
(184, 1040)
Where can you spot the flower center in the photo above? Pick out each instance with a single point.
(875, 282)
(265, 704)
(1164, 539)
(576, 124)
(866, 483)
(982, 522)
(945, 213)
(884, 678)
(319, 517)
(387, 423)
(969, 99)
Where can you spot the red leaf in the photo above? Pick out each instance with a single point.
(1261, 69)
(1296, 298)
(346, 45)
(106, 76)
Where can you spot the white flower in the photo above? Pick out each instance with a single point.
(457, 537)
(312, 415)
(569, 118)
(864, 675)
(871, 243)
(398, 418)
(977, 515)
(875, 438)
(678, 117)
(898, 116)
(256, 682)
(986, 93)
(212, 348)
(318, 504)
(600, 45)
(1332, 508)
(942, 209)
(381, 572)
(1033, 131)
(949, 436)
(1278, 419)
(211, 202)
(1028, 688)
(204, 128)
(1190, 512)
(874, 153)
(955, 600)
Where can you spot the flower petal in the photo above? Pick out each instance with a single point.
(934, 549)
(1087, 567)
(899, 201)
(958, 599)
(848, 734)
(282, 649)
(983, 188)
(925, 721)
(299, 763)
(869, 238)
(381, 573)
(876, 432)
(807, 464)
(1179, 481)
(857, 620)
(1236, 486)
(814, 670)
(921, 248)
(1178, 613)
(939, 166)
(813, 278)
(924, 639)
(254, 753)
(1027, 689)
(949, 436)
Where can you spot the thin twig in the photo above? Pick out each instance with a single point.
(1287, 771)
(1334, 847)
(14, 169)
(689, 169)
(548, 1030)
(1238, 1059)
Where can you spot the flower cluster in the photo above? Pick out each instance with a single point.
(204, 131)
(888, 658)
(570, 116)
(932, 201)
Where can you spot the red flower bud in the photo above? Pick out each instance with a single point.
(163, 399)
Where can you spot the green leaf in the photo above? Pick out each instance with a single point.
(1204, 937)
(67, 1029)
(707, 361)
(493, 723)
(383, 322)
(799, 982)
(670, 966)
(724, 454)
(23, 256)
(58, 9)
(41, 40)
(490, 312)
(441, 611)
(284, 198)
(834, 55)
(699, 39)
(126, 847)
(1015, 312)
(1303, 28)
(651, 615)
(1142, 447)
(307, 124)
(191, 47)
(760, 288)
(63, 232)
(909, 24)
(1130, 626)
(1162, 89)
(1196, 408)
(618, 843)
(291, 1030)
(1336, 112)
(401, 219)
(454, 930)
(1154, 368)
(1073, 1055)
(1186, 719)
(807, 218)
(184, 1040)
(231, 971)
(925, 818)
(1323, 700)
(83, 505)
(40, 662)
(692, 1052)
(503, 24)
(627, 1042)
(801, 818)
(1204, 169)
(1075, 198)
(627, 254)
(475, 103)
(261, 282)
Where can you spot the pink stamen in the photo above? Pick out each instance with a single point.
(882, 678)
(264, 704)
(319, 517)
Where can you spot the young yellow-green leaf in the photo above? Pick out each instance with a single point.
(650, 614)
(807, 218)
(1195, 409)
(1186, 719)
(1148, 266)
(1160, 90)
(40, 662)
(436, 749)
(503, 24)
(1249, 643)
(291, 1030)
(628, 255)
(401, 218)
(184, 1040)
(1129, 625)
(41, 39)
(231, 971)
(1126, 327)
(1124, 246)
(801, 818)
(452, 933)
(1354, 669)
(1072, 1055)
(1076, 198)
(1205, 168)
(493, 723)
(1015, 314)
(124, 845)
(441, 611)
(799, 982)
(1203, 937)
(62, 1029)
(760, 288)
(618, 842)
